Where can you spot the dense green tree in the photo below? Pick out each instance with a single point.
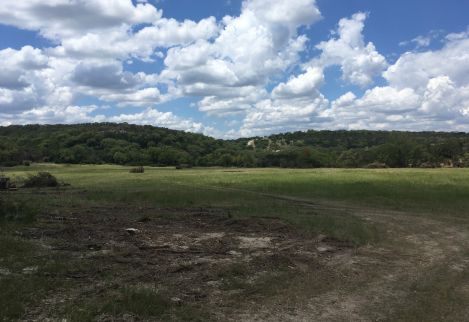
(141, 145)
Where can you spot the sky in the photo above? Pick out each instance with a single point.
(237, 68)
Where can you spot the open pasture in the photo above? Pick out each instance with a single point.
(236, 244)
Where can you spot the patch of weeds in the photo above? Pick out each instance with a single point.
(269, 284)
(15, 253)
(17, 209)
(234, 276)
(41, 180)
(192, 313)
(236, 270)
(19, 292)
(343, 227)
(141, 302)
(59, 267)
(264, 278)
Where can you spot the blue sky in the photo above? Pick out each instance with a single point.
(237, 68)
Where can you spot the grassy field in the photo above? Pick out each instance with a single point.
(236, 244)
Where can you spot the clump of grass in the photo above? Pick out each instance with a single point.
(17, 293)
(21, 291)
(143, 303)
(41, 180)
(343, 227)
(15, 209)
(14, 251)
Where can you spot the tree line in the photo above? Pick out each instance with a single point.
(127, 144)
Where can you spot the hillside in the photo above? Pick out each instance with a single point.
(147, 145)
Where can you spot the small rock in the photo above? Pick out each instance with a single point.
(325, 248)
(132, 231)
(176, 300)
(213, 283)
(4, 272)
(235, 253)
(30, 270)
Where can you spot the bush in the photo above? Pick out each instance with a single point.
(137, 170)
(41, 180)
(376, 165)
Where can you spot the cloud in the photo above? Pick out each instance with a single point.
(359, 62)
(122, 42)
(157, 118)
(303, 85)
(58, 19)
(443, 100)
(143, 97)
(17, 65)
(414, 70)
(294, 105)
(28, 80)
(423, 41)
(248, 51)
(275, 116)
(232, 102)
(106, 76)
(419, 41)
(290, 14)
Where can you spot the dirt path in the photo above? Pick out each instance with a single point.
(413, 275)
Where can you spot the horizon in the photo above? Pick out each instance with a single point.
(233, 69)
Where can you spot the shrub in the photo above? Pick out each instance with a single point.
(41, 180)
(376, 165)
(137, 170)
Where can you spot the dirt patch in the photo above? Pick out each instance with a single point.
(200, 256)
(252, 269)
(255, 242)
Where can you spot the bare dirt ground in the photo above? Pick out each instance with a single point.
(257, 269)
(409, 278)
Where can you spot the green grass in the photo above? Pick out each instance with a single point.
(19, 292)
(142, 302)
(430, 190)
(14, 208)
(15, 252)
(433, 192)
